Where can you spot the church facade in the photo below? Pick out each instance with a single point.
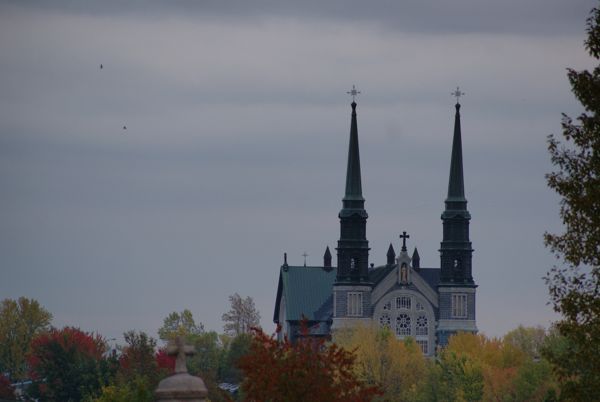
(428, 304)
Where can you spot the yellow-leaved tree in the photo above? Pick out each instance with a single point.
(397, 366)
(504, 370)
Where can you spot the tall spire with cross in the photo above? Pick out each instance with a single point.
(456, 186)
(353, 245)
(456, 248)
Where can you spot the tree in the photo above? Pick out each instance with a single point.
(137, 390)
(307, 370)
(6, 390)
(398, 367)
(138, 373)
(236, 349)
(575, 286)
(529, 339)
(180, 324)
(473, 367)
(69, 365)
(20, 321)
(242, 316)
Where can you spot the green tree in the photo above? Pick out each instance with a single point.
(241, 317)
(529, 339)
(180, 324)
(137, 389)
(20, 321)
(237, 348)
(69, 365)
(462, 378)
(575, 285)
(139, 371)
(138, 360)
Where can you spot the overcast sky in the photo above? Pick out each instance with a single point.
(236, 143)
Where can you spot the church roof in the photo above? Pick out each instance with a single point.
(307, 292)
(430, 275)
(377, 274)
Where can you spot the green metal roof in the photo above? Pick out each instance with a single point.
(307, 292)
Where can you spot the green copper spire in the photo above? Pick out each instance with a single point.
(353, 182)
(456, 185)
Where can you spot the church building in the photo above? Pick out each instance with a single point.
(428, 304)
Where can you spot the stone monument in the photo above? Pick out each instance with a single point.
(180, 386)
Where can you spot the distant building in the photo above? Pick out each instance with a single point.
(428, 304)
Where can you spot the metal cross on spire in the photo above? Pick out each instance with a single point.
(404, 236)
(353, 92)
(457, 94)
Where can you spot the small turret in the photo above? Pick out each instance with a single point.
(327, 259)
(391, 255)
(416, 260)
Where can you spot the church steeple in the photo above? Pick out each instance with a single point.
(353, 247)
(353, 181)
(456, 185)
(456, 248)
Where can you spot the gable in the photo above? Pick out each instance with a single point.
(424, 280)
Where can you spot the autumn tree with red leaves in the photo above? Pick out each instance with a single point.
(306, 370)
(69, 365)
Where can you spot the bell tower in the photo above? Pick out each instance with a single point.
(352, 289)
(456, 286)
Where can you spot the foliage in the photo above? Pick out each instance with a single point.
(20, 321)
(459, 378)
(529, 339)
(398, 367)
(307, 370)
(69, 365)
(242, 316)
(138, 358)
(473, 367)
(141, 367)
(182, 324)
(237, 348)
(575, 287)
(6, 390)
(137, 389)
(165, 362)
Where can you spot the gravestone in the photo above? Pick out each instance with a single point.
(180, 386)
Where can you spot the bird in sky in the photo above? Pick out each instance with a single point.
(124, 127)
(101, 66)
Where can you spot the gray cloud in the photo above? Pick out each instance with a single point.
(235, 149)
(546, 17)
